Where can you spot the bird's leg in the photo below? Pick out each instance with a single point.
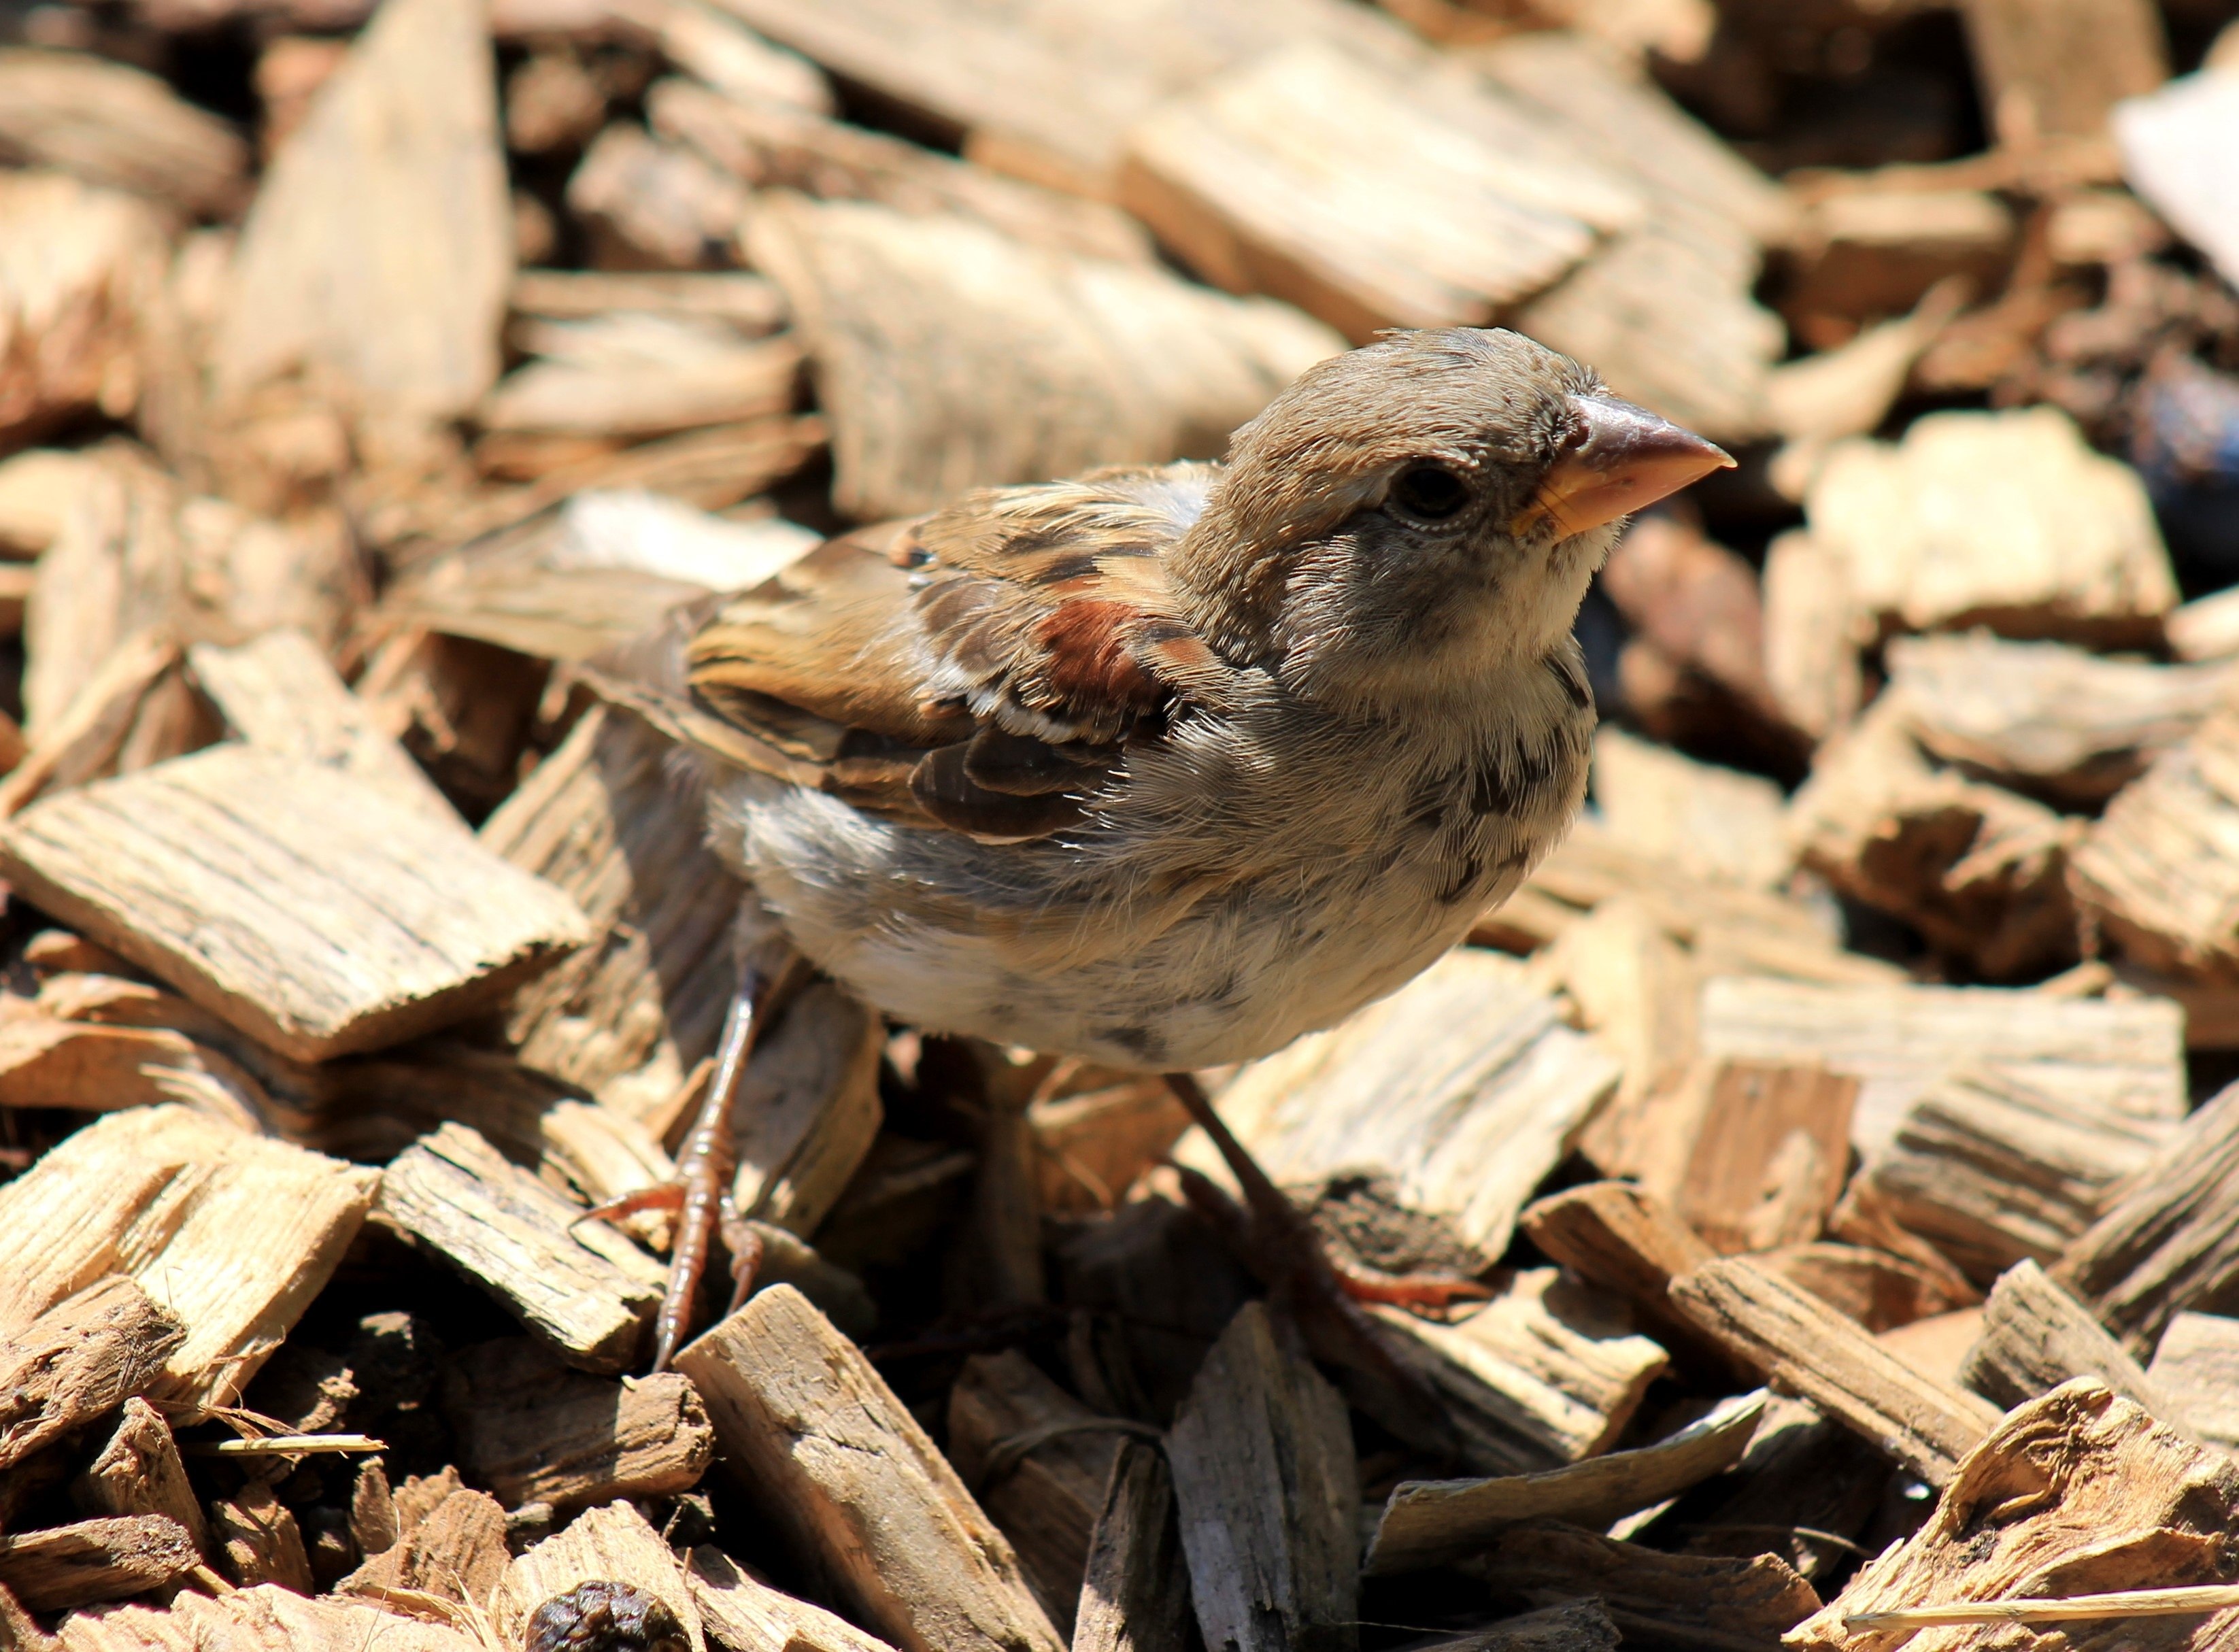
(700, 1191)
(1287, 1235)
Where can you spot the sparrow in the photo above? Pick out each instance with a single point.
(1166, 765)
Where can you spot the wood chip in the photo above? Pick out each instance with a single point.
(2008, 520)
(257, 1540)
(631, 1014)
(1753, 1155)
(1259, 181)
(78, 1361)
(251, 1230)
(1691, 1600)
(281, 694)
(111, 124)
(2089, 1487)
(93, 1560)
(1979, 871)
(741, 1613)
(1135, 1596)
(813, 1434)
(82, 263)
(1549, 1371)
(416, 338)
(1635, 989)
(583, 1288)
(1576, 1626)
(1429, 1523)
(1990, 1170)
(1044, 1495)
(752, 305)
(2196, 1367)
(2055, 71)
(1263, 1466)
(2154, 870)
(612, 1544)
(1718, 824)
(1048, 91)
(771, 147)
(2164, 138)
(2169, 1239)
(138, 1471)
(1128, 365)
(450, 1545)
(530, 1431)
(250, 1620)
(2045, 717)
(2121, 1057)
(247, 915)
(2034, 1337)
(626, 377)
(1418, 1085)
(1808, 1349)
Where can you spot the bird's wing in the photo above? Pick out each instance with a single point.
(980, 669)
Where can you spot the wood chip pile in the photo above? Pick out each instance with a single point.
(1838, 1119)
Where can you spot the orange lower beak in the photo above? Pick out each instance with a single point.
(1628, 458)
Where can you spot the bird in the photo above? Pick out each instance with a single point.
(1164, 765)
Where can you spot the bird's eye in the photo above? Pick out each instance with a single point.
(1430, 492)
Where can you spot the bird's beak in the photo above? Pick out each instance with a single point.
(1628, 458)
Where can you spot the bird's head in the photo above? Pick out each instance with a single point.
(1410, 513)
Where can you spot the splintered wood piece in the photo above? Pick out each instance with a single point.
(813, 1434)
(652, 205)
(1617, 1236)
(68, 316)
(752, 305)
(1463, 1086)
(2036, 1336)
(1431, 1522)
(1262, 1460)
(530, 1431)
(2050, 71)
(1135, 1595)
(258, 1542)
(1091, 1146)
(1718, 824)
(138, 1471)
(1652, 1597)
(1045, 1499)
(78, 1361)
(1742, 931)
(1979, 871)
(1990, 1170)
(2044, 716)
(772, 147)
(1574, 1626)
(400, 149)
(2170, 1238)
(629, 1015)
(1260, 179)
(809, 1108)
(254, 1620)
(1879, 1291)
(740, 1613)
(1636, 989)
(1813, 633)
(281, 694)
(583, 1288)
(610, 1544)
(1047, 91)
(1549, 1371)
(2156, 870)
(112, 124)
(626, 377)
(2009, 520)
(1806, 1347)
(307, 907)
(2090, 1494)
(93, 1560)
(2124, 1057)
(1006, 363)
(1759, 1155)
(2196, 1367)
(233, 1235)
(451, 1544)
